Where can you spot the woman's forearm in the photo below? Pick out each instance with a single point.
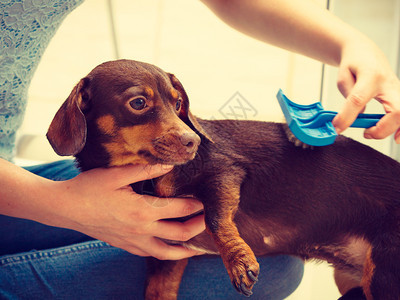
(25, 195)
(296, 25)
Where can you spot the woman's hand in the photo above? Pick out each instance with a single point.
(364, 73)
(101, 204)
(305, 27)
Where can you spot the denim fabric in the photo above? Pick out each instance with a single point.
(43, 262)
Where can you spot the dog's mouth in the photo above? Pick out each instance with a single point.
(164, 155)
(168, 150)
(172, 149)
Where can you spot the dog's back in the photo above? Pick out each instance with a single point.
(339, 203)
(320, 193)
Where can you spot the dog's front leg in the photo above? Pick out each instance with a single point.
(239, 259)
(163, 278)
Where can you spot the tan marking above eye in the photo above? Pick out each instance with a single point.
(149, 92)
(107, 124)
(174, 94)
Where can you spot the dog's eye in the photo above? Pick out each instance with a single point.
(178, 105)
(138, 103)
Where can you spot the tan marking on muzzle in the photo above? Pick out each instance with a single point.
(126, 144)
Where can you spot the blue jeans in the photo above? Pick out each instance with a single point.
(43, 262)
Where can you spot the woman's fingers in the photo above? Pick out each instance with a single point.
(178, 231)
(163, 251)
(123, 176)
(358, 93)
(169, 208)
(151, 246)
(389, 124)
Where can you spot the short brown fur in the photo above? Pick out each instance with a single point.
(262, 195)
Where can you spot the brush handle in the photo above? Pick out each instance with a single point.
(366, 120)
(362, 121)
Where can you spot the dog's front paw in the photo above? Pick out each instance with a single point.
(245, 283)
(244, 272)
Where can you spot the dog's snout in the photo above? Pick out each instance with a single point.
(190, 140)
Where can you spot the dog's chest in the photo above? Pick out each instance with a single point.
(165, 186)
(182, 181)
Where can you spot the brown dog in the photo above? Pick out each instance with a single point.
(261, 194)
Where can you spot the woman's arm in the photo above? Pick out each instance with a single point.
(304, 27)
(298, 25)
(101, 204)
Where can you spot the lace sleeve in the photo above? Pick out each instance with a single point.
(26, 27)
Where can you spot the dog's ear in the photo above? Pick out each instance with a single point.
(185, 114)
(67, 131)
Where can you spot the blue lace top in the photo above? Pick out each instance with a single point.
(26, 27)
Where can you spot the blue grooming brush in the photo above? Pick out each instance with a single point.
(312, 125)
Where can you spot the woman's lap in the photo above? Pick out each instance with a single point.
(43, 262)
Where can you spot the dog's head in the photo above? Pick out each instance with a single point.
(126, 112)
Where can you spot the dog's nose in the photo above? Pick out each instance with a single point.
(190, 140)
